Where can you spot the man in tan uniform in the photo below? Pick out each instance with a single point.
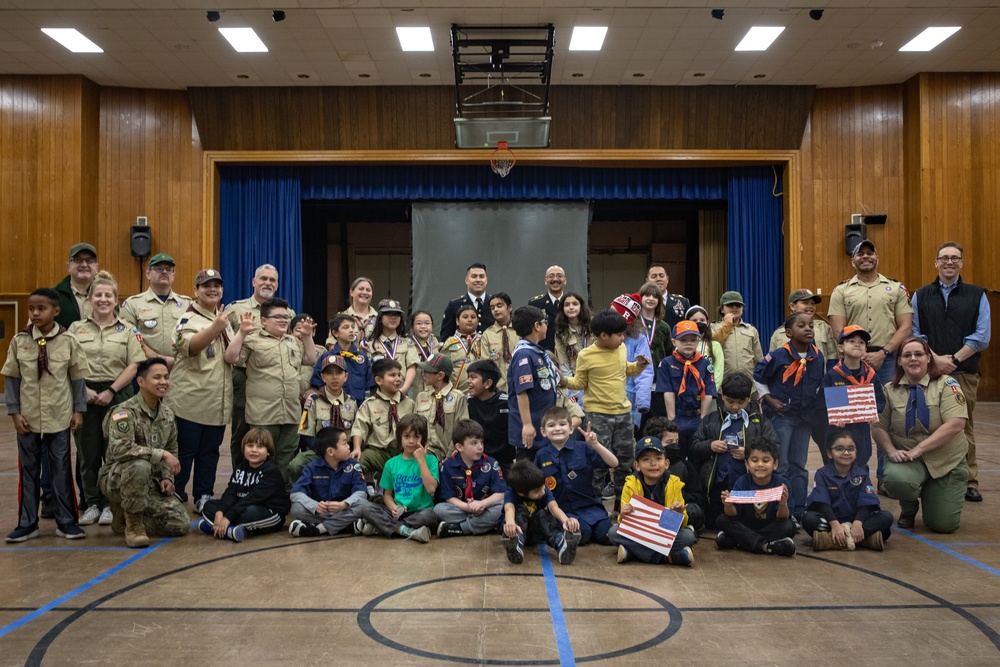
(155, 312)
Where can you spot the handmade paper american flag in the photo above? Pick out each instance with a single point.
(651, 525)
(851, 405)
(752, 497)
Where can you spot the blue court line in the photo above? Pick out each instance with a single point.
(971, 544)
(7, 629)
(3, 549)
(566, 658)
(950, 552)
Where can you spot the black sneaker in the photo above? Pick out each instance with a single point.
(567, 551)
(514, 547)
(608, 492)
(446, 529)
(309, 530)
(48, 506)
(723, 541)
(20, 534)
(783, 547)
(70, 531)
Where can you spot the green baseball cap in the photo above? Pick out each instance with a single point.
(80, 247)
(161, 258)
(731, 297)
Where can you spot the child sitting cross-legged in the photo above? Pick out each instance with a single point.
(532, 515)
(472, 485)
(843, 510)
(652, 480)
(331, 491)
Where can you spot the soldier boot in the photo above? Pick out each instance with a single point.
(135, 531)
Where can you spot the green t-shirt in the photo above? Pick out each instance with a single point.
(402, 477)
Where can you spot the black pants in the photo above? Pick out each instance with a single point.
(878, 521)
(538, 527)
(753, 539)
(257, 519)
(32, 449)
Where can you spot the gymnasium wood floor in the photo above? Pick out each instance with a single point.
(278, 600)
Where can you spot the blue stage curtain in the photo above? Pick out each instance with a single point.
(756, 247)
(261, 223)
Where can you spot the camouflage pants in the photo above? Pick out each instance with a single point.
(131, 484)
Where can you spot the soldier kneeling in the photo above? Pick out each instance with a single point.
(141, 461)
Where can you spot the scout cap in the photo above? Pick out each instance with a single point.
(161, 258)
(389, 306)
(80, 247)
(205, 275)
(628, 306)
(649, 442)
(866, 242)
(334, 360)
(854, 330)
(438, 363)
(731, 297)
(797, 295)
(685, 328)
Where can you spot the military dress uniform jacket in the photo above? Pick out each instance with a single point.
(155, 319)
(550, 307)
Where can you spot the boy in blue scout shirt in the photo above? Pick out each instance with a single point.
(763, 527)
(569, 467)
(531, 382)
(472, 486)
(843, 508)
(359, 365)
(531, 515)
(687, 380)
(490, 409)
(331, 493)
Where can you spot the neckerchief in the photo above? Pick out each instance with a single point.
(554, 374)
(866, 371)
(798, 366)
(730, 418)
(439, 410)
(916, 409)
(506, 344)
(692, 370)
(43, 353)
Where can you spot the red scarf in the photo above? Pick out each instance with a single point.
(692, 370)
(798, 366)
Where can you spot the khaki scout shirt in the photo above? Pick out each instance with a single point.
(569, 405)
(372, 423)
(155, 319)
(109, 350)
(318, 410)
(463, 353)
(272, 378)
(455, 407)
(822, 337)
(398, 348)
(573, 340)
(82, 302)
(46, 402)
(491, 347)
(741, 348)
(369, 322)
(137, 432)
(945, 401)
(423, 354)
(874, 306)
(201, 386)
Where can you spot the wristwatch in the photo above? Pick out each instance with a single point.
(955, 360)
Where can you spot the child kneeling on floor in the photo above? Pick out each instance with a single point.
(472, 485)
(761, 527)
(255, 502)
(532, 515)
(843, 509)
(408, 483)
(652, 481)
(331, 491)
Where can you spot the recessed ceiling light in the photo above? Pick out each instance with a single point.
(698, 75)
(244, 40)
(577, 75)
(363, 75)
(929, 38)
(759, 38)
(760, 76)
(73, 40)
(587, 38)
(425, 75)
(415, 39)
(638, 75)
(302, 76)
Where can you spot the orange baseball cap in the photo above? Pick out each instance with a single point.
(686, 328)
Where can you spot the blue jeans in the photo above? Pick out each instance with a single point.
(685, 538)
(793, 450)
(198, 448)
(884, 375)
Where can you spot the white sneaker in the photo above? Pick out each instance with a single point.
(107, 518)
(91, 516)
(199, 504)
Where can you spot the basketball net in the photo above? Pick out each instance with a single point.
(502, 160)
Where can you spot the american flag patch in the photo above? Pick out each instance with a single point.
(851, 405)
(651, 525)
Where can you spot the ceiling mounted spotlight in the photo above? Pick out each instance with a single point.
(815, 14)
(212, 16)
(718, 13)
(277, 15)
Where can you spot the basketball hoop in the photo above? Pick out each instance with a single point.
(502, 160)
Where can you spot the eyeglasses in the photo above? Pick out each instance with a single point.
(950, 259)
(283, 318)
(92, 261)
(845, 450)
(162, 268)
(912, 355)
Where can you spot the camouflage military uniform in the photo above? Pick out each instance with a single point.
(131, 474)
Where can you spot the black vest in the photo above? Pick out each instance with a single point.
(946, 327)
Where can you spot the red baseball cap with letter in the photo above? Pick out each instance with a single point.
(628, 306)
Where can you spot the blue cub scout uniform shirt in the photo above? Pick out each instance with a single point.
(569, 473)
(800, 398)
(532, 505)
(487, 478)
(668, 380)
(529, 374)
(359, 372)
(758, 514)
(844, 494)
(324, 484)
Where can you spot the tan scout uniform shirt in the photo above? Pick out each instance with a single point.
(201, 386)
(874, 306)
(573, 340)
(272, 378)
(372, 421)
(137, 432)
(398, 348)
(945, 401)
(455, 407)
(741, 348)
(109, 350)
(463, 353)
(423, 354)
(822, 337)
(492, 348)
(46, 402)
(569, 405)
(82, 302)
(317, 412)
(368, 318)
(155, 319)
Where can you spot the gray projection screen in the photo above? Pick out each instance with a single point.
(516, 241)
